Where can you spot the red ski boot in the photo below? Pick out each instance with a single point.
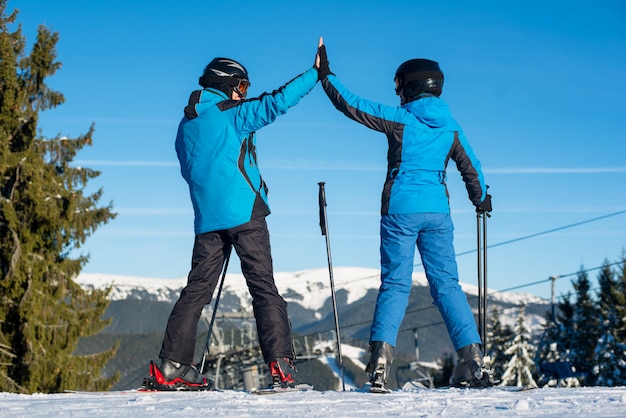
(175, 376)
(281, 370)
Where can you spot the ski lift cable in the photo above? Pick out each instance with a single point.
(410, 311)
(499, 244)
(549, 231)
(560, 276)
(417, 310)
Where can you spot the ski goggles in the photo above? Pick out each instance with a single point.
(399, 84)
(242, 87)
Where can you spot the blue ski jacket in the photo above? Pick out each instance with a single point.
(422, 137)
(216, 148)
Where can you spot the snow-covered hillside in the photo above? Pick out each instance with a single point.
(308, 288)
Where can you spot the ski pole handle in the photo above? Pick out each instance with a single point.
(322, 203)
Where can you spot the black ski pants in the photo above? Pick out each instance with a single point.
(252, 244)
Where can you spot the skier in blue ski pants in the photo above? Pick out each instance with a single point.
(433, 233)
(423, 137)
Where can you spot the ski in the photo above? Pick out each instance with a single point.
(111, 392)
(150, 384)
(303, 387)
(379, 389)
(517, 388)
(476, 384)
(496, 387)
(378, 385)
(420, 388)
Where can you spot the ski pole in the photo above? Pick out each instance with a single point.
(214, 313)
(324, 228)
(480, 279)
(481, 234)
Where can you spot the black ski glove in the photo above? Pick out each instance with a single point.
(324, 68)
(484, 206)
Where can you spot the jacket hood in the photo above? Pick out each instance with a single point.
(199, 100)
(431, 111)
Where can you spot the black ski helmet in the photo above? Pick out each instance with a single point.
(418, 76)
(226, 75)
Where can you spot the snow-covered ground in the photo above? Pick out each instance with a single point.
(545, 402)
(585, 402)
(493, 402)
(414, 402)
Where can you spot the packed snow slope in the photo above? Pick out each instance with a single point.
(494, 402)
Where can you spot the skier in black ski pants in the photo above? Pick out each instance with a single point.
(422, 138)
(216, 148)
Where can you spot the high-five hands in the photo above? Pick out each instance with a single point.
(321, 61)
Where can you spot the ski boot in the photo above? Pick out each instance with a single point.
(282, 370)
(379, 366)
(175, 376)
(471, 370)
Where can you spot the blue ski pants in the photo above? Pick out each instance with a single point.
(434, 234)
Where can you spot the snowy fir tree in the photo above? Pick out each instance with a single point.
(44, 218)
(565, 317)
(610, 353)
(586, 327)
(555, 343)
(498, 335)
(620, 299)
(519, 369)
(550, 349)
(610, 367)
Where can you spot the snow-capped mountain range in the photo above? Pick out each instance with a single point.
(312, 283)
(308, 288)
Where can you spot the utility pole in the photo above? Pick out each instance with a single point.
(552, 298)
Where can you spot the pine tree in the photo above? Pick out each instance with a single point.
(498, 335)
(610, 356)
(550, 349)
(610, 367)
(586, 327)
(44, 218)
(607, 296)
(565, 317)
(620, 299)
(555, 344)
(519, 369)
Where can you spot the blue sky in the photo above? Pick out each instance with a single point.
(538, 87)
